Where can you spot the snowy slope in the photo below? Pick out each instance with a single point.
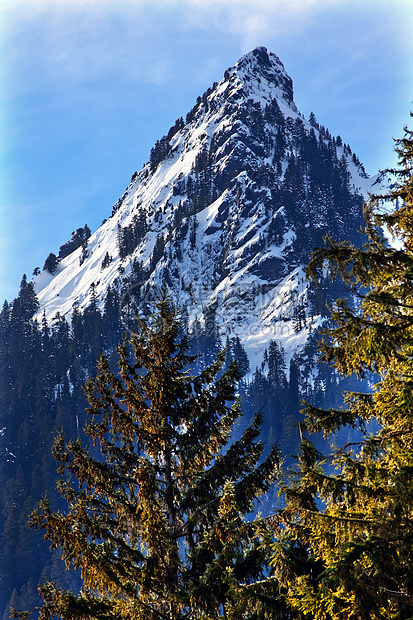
(226, 213)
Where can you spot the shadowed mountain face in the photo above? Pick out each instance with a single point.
(226, 213)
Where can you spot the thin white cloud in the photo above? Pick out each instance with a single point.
(90, 39)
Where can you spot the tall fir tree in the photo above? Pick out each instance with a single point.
(346, 548)
(155, 521)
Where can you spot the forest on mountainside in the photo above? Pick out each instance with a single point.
(332, 536)
(344, 539)
(339, 547)
(43, 370)
(44, 364)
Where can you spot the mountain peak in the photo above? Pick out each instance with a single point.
(226, 213)
(260, 56)
(263, 67)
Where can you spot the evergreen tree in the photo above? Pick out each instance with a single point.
(346, 550)
(107, 259)
(85, 252)
(236, 352)
(51, 263)
(155, 521)
(26, 303)
(276, 367)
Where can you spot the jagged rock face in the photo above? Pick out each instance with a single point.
(227, 213)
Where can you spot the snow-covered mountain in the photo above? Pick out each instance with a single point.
(226, 213)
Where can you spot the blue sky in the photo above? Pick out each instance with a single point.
(88, 86)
